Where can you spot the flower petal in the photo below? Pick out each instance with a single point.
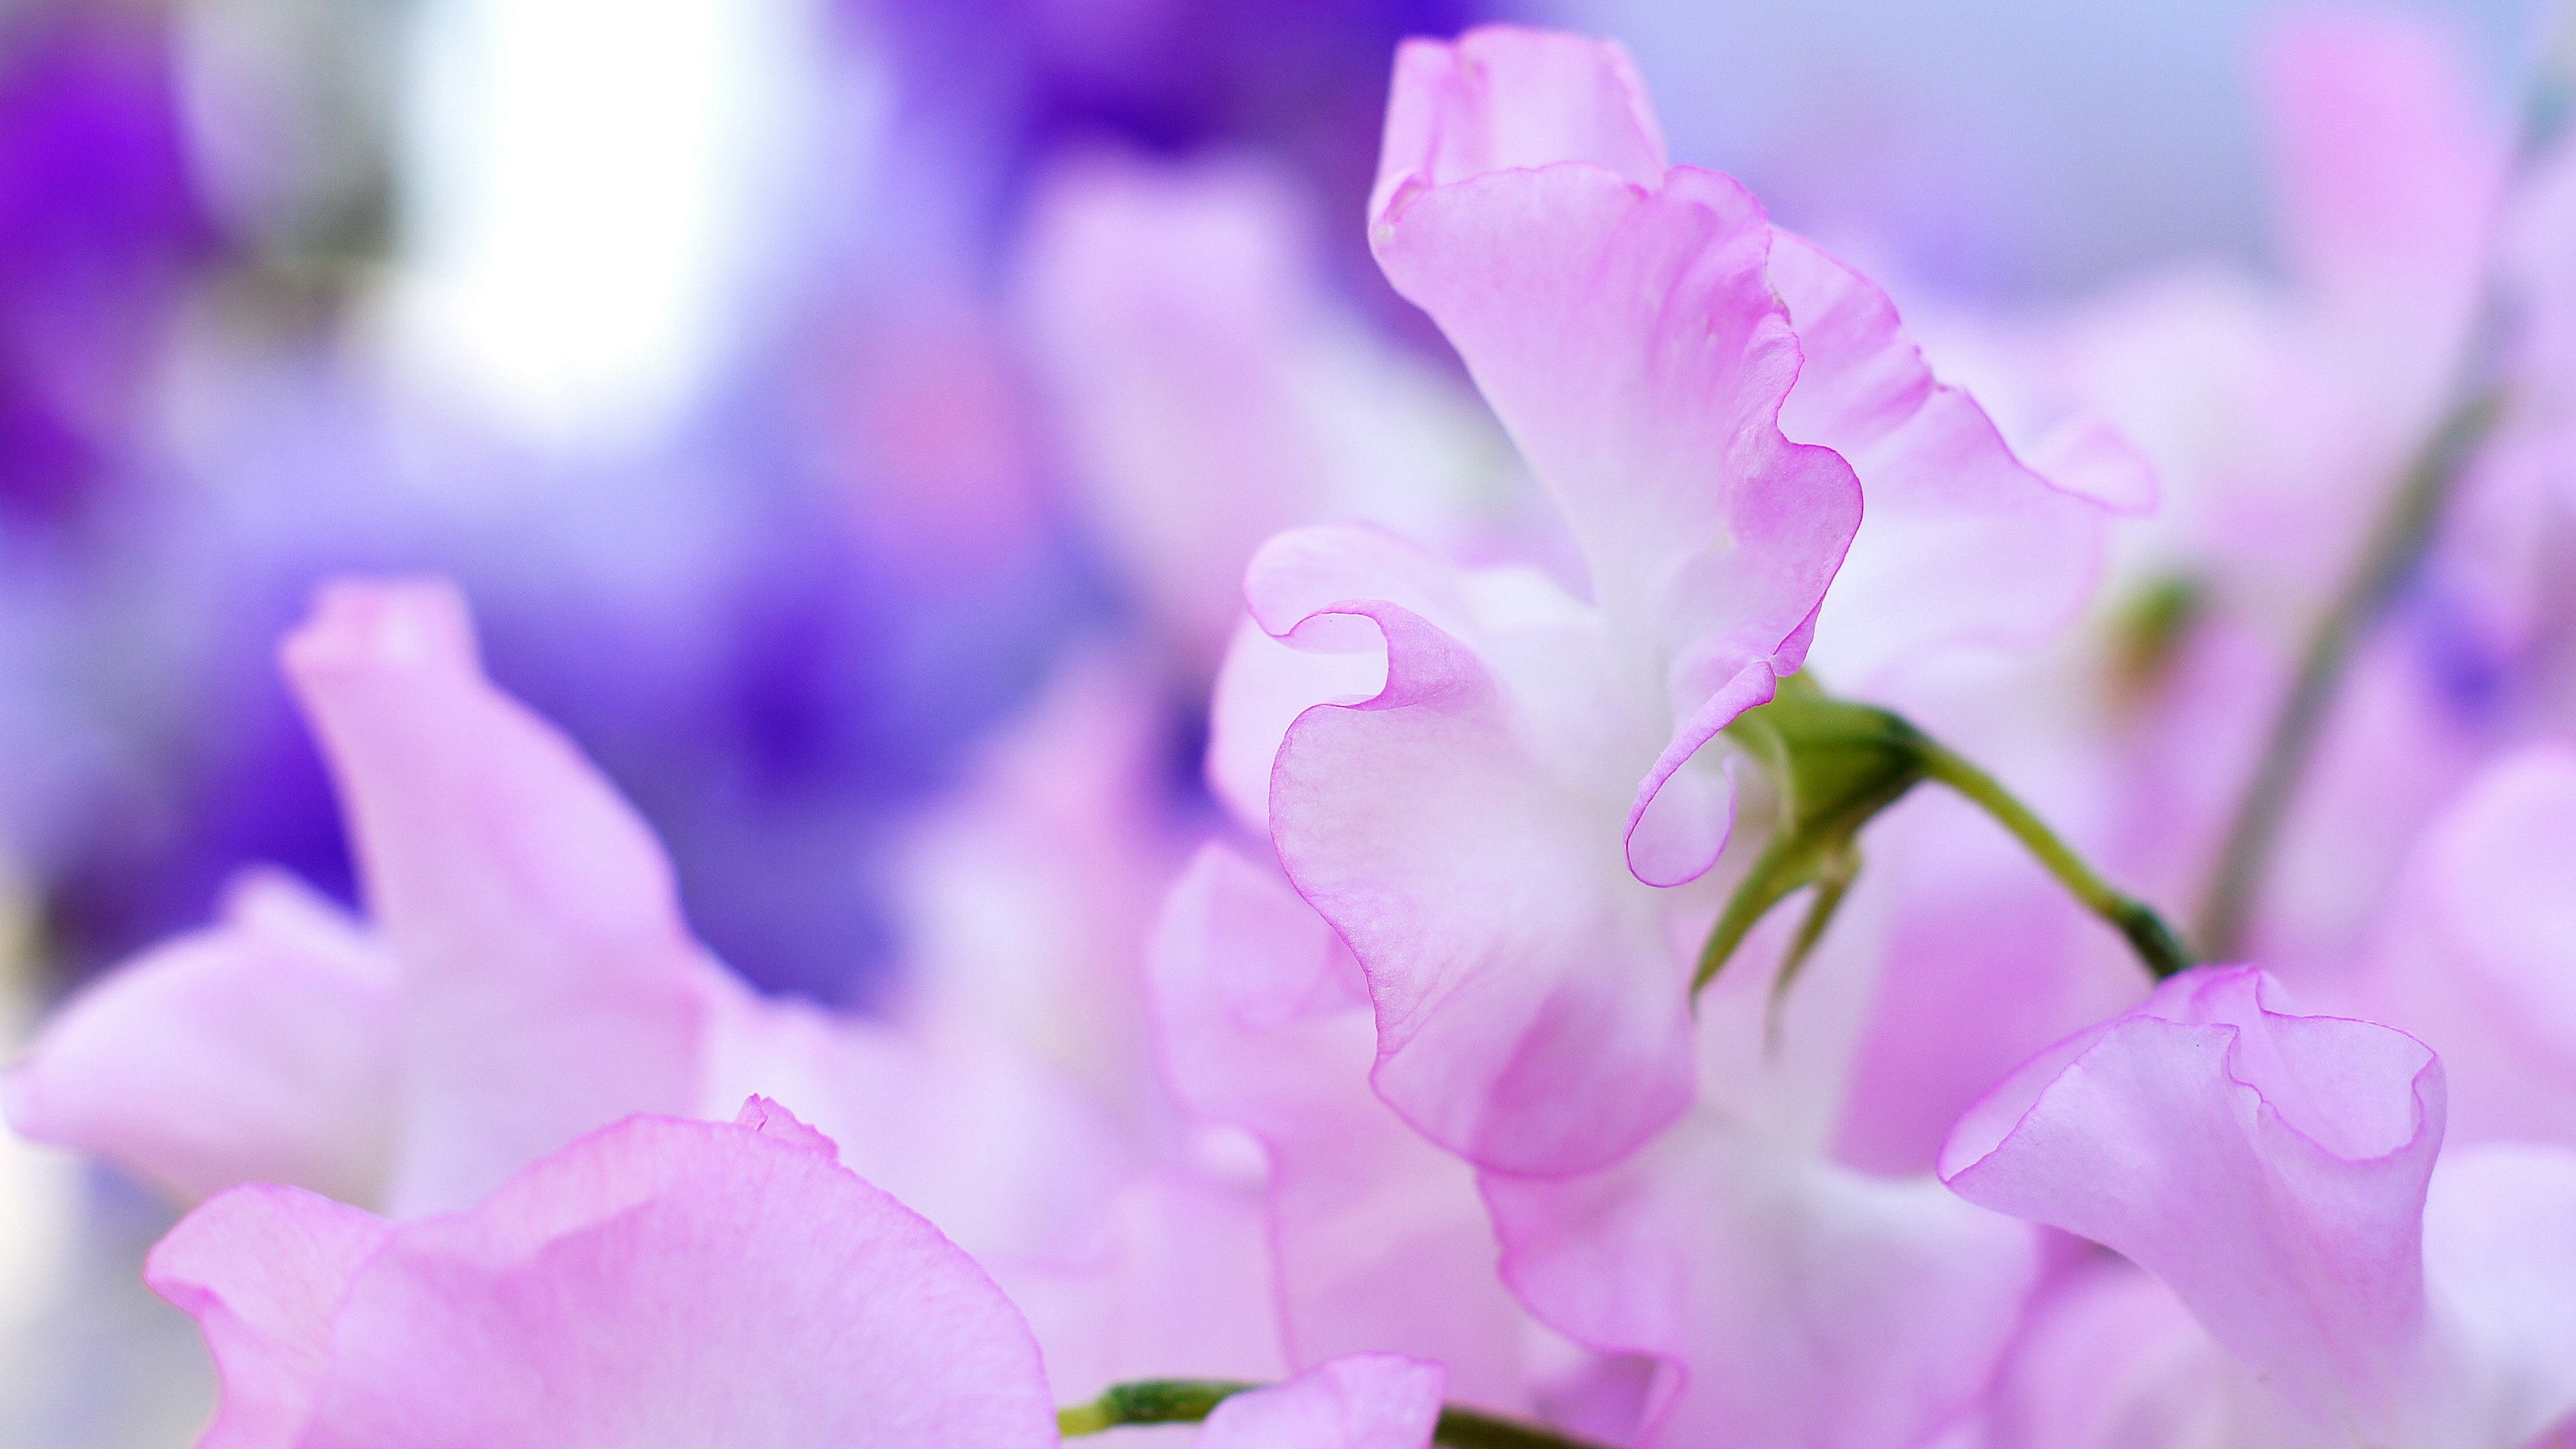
(1787, 1301)
(2269, 1168)
(680, 1283)
(2473, 959)
(260, 1049)
(1380, 1239)
(1630, 341)
(262, 1269)
(1963, 544)
(1364, 1401)
(1507, 97)
(548, 983)
(1530, 996)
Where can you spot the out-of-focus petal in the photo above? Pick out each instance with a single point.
(1364, 1401)
(2474, 957)
(262, 1269)
(260, 1049)
(2269, 1168)
(2500, 1251)
(548, 984)
(1212, 393)
(1002, 1156)
(1786, 1300)
(1183, 1287)
(2390, 170)
(1381, 1241)
(1506, 98)
(1962, 544)
(679, 1282)
(2108, 1358)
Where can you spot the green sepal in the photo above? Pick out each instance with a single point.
(1834, 765)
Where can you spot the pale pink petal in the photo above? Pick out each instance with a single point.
(1987, 960)
(1381, 1241)
(2108, 1359)
(1261, 688)
(2474, 956)
(262, 1269)
(1182, 1288)
(1962, 544)
(2500, 1251)
(1006, 1159)
(2269, 1168)
(2390, 168)
(1786, 1301)
(1166, 308)
(771, 1120)
(1505, 97)
(2085, 454)
(260, 1049)
(548, 984)
(671, 1282)
(1364, 1401)
(1629, 340)
(1530, 998)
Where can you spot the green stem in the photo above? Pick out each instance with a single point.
(1187, 1401)
(2397, 545)
(2147, 934)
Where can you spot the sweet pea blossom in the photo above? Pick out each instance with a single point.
(663, 1281)
(1680, 375)
(2471, 954)
(1379, 1239)
(658, 1281)
(522, 976)
(2283, 1176)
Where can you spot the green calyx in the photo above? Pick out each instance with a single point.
(1835, 765)
(1188, 1401)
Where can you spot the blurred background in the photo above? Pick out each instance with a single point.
(790, 383)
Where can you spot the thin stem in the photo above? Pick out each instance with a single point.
(2146, 932)
(2397, 545)
(1187, 1401)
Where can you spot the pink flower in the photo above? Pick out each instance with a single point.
(1210, 392)
(1488, 785)
(2472, 955)
(523, 977)
(657, 1281)
(1364, 1401)
(1377, 1239)
(2278, 1174)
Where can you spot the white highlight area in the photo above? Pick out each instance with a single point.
(588, 184)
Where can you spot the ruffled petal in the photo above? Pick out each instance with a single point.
(1624, 330)
(1507, 97)
(2269, 1168)
(1530, 996)
(262, 1269)
(1364, 1401)
(1381, 1242)
(548, 984)
(1963, 544)
(260, 1049)
(682, 1283)
(1785, 1300)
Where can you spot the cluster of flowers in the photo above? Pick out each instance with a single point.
(1468, 1067)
